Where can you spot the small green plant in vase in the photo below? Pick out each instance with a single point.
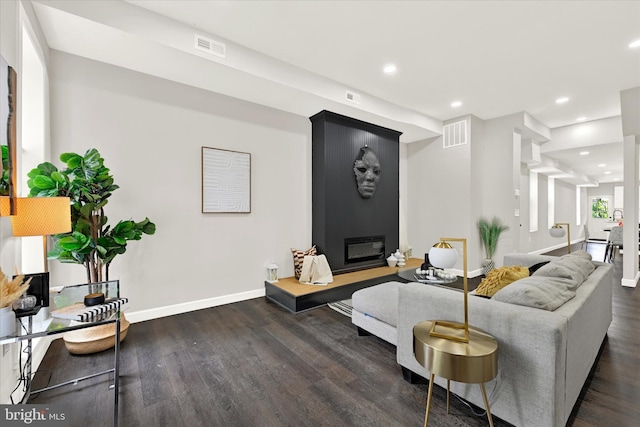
(489, 234)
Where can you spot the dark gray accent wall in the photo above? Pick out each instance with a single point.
(338, 210)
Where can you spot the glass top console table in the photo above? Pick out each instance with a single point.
(70, 298)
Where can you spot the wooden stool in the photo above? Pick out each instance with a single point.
(472, 362)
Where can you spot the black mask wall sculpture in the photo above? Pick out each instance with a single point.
(367, 171)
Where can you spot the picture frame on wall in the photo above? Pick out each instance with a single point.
(226, 181)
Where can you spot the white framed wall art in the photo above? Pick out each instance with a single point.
(226, 181)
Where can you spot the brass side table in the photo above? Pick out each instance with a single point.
(472, 362)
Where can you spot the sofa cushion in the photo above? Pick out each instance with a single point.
(557, 271)
(379, 301)
(498, 278)
(572, 266)
(547, 293)
(582, 266)
(536, 267)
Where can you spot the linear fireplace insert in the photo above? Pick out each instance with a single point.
(359, 249)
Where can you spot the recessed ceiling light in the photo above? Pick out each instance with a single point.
(456, 104)
(584, 153)
(562, 100)
(390, 69)
(616, 179)
(634, 44)
(607, 173)
(602, 165)
(581, 119)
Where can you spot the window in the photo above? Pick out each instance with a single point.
(599, 207)
(551, 196)
(578, 205)
(533, 201)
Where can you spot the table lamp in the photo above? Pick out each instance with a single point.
(557, 231)
(443, 255)
(41, 216)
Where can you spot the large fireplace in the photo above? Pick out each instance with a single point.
(359, 249)
(355, 185)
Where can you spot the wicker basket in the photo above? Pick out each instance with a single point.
(96, 339)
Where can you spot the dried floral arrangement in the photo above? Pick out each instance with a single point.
(11, 290)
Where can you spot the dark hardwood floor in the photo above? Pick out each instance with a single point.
(254, 364)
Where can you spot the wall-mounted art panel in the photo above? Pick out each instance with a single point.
(226, 181)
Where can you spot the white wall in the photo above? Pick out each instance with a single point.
(500, 172)
(150, 132)
(449, 189)
(13, 15)
(439, 196)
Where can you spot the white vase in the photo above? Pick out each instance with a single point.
(392, 261)
(7, 321)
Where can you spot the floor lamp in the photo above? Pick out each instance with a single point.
(41, 216)
(557, 231)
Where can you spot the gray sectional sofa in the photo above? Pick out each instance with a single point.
(545, 356)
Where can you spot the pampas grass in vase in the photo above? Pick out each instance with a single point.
(489, 233)
(10, 291)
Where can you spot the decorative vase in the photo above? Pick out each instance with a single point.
(7, 321)
(392, 261)
(487, 266)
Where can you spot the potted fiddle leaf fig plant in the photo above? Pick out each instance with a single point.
(489, 234)
(92, 242)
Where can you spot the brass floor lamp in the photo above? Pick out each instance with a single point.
(557, 231)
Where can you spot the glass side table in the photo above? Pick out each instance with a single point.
(66, 297)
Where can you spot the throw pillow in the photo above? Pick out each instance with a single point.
(298, 259)
(580, 254)
(581, 266)
(573, 268)
(498, 278)
(546, 293)
(535, 267)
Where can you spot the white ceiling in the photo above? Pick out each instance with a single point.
(496, 57)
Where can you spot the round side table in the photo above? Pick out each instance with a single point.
(475, 362)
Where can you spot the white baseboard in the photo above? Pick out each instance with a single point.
(554, 247)
(631, 283)
(170, 310)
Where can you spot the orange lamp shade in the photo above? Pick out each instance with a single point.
(5, 206)
(41, 216)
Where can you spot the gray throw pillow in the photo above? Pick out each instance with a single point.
(581, 266)
(580, 254)
(576, 265)
(546, 293)
(556, 270)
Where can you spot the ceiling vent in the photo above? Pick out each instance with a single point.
(352, 97)
(454, 134)
(211, 46)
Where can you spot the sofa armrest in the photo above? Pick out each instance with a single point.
(529, 389)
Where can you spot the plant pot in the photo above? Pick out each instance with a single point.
(487, 266)
(7, 321)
